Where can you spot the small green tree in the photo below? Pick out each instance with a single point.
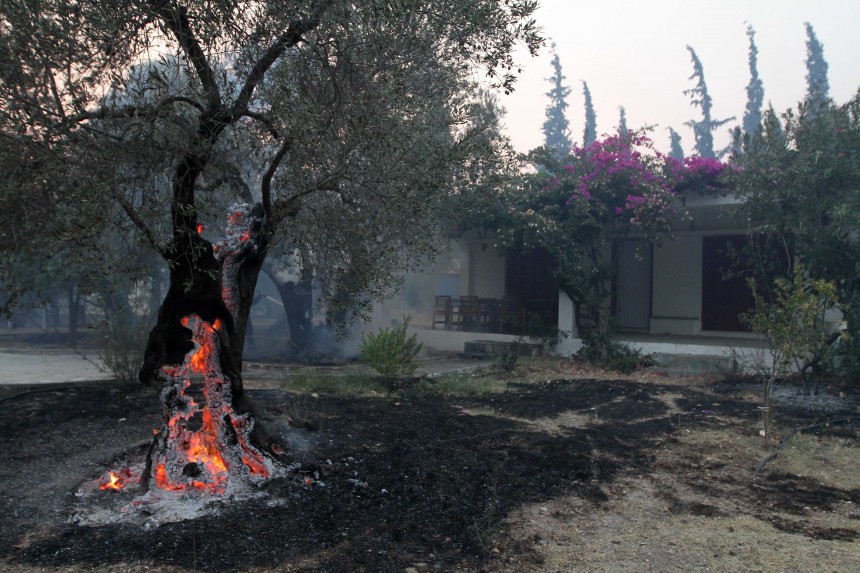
(795, 326)
(390, 351)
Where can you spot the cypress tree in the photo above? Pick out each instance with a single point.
(702, 130)
(622, 121)
(555, 129)
(755, 90)
(590, 134)
(817, 85)
(676, 152)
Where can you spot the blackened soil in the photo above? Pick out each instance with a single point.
(393, 481)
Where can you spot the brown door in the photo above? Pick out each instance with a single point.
(725, 293)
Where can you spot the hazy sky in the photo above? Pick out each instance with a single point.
(633, 53)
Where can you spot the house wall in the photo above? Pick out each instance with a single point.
(484, 275)
(676, 306)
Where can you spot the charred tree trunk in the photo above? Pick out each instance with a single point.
(200, 331)
(298, 307)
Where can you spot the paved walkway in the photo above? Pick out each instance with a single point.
(44, 366)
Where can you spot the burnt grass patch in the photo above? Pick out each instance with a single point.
(385, 481)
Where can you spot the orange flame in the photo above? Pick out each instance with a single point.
(200, 228)
(200, 358)
(113, 483)
(204, 447)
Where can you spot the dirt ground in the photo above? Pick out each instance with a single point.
(563, 470)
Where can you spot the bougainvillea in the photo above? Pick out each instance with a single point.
(577, 208)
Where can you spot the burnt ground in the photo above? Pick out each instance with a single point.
(418, 480)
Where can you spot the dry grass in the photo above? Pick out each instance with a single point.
(642, 529)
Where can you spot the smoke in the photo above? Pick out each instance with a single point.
(335, 343)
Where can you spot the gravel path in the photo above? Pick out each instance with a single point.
(47, 366)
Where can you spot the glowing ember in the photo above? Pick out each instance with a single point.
(200, 228)
(242, 232)
(113, 482)
(116, 481)
(200, 459)
(202, 447)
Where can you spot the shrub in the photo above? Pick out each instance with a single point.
(600, 349)
(390, 351)
(505, 362)
(124, 334)
(796, 328)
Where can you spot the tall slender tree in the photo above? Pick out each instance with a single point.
(676, 151)
(703, 129)
(622, 120)
(555, 129)
(589, 135)
(755, 89)
(817, 84)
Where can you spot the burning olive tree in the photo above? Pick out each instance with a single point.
(354, 121)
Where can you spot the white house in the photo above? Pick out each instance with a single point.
(672, 298)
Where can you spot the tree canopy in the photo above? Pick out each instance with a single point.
(150, 117)
(799, 184)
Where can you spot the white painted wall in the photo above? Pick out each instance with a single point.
(484, 272)
(569, 344)
(677, 296)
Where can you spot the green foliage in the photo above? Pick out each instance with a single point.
(794, 323)
(379, 126)
(600, 349)
(817, 84)
(699, 97)
(755, 89)
(799, 186)
(506, 362)
(124, 336)
(577, 208)
(555, 129)
(589, 134)
(795, 326)
(676, 152)
(390, 351)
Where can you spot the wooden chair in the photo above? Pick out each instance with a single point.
(469, 315)
(512, 313)
(443, 312)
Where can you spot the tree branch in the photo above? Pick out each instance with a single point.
(133, 110)
(288, 39)
(782, 443)
(176, 19)
(266, 184)
(139, 223)
(290, 206)
(270, 126)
